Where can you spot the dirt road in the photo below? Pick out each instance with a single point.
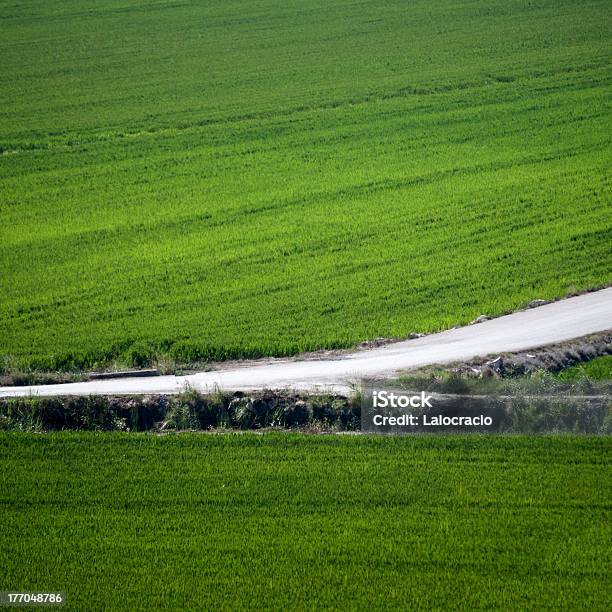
(551, 323)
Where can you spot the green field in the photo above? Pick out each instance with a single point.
(135, 521)
(599, 368)
(208, 180)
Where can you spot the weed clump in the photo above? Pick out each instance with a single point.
(189, 410)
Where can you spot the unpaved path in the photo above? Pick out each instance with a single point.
(548, 324)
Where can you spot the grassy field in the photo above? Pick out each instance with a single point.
(596, 369)
(208, 180)
(134, 521)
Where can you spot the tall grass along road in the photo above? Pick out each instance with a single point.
(547, 324)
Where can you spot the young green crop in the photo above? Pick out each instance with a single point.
(245, 521)
(215, 180)
(599, 368)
